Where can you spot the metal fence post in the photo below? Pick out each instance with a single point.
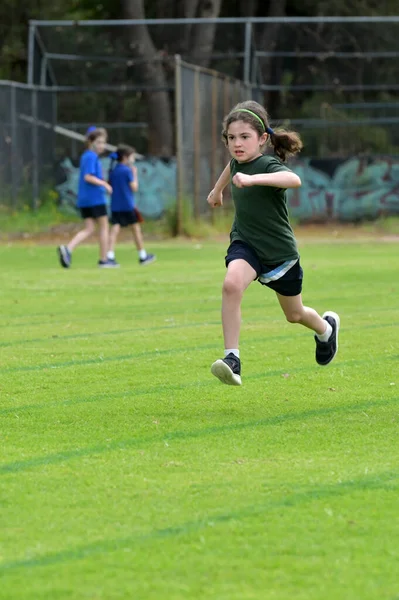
(197, 143)
(31, 53)
(179, 146)
(54, 109)
(35, 153)
(247, 52)
(43, 71)
(14, 146)
(214, 135)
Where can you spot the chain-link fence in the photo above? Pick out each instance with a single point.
(317, 74)
(348, 185)
(331, 78)
(202, 99)
(27, 138)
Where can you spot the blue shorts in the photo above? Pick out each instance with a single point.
(285, 278)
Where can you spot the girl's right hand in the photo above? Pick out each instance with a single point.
(108, 188)
(215, 199)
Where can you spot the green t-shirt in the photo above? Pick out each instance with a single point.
(261, 218)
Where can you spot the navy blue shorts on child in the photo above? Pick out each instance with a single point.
(93, 212)
(285, 278)
(124, 218)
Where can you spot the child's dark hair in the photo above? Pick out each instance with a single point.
(92, 136)
(285, 143)
(123, 151)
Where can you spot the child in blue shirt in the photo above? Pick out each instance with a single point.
(91, 200)
(124, 182)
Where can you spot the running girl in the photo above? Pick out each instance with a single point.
(263, 245)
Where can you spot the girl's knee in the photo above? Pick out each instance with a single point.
(103, 224)
(232, 285)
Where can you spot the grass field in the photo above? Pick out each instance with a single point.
(127, 471)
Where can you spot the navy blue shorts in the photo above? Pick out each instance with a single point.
(93, 212)
(124, 218)
(285, 278)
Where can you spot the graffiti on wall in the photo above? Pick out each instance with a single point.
(346, 190)
(157, 185)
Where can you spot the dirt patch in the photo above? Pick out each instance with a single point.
(342, 232)
(312, 233)
(60, 234)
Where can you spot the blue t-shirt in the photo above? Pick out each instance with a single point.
(120, 178)
(89, 194)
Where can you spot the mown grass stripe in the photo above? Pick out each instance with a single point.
(385, 481)
(60, 457)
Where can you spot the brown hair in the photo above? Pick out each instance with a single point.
(123, 151)
(285, 143)
(95, 134)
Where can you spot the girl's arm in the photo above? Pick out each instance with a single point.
(100, 182)
(280, 179)
(215, 197)
(223, 180)
(134, 185)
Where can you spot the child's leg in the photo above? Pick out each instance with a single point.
(103, 226)
(113, 235)
(144, 258)
(82, 235)
(239, 275)
(326, 327)
(138, 237)
(296, 312)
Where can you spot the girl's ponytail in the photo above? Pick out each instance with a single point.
(285, 143)
(114, 159)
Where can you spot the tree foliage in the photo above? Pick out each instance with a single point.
(149, 48)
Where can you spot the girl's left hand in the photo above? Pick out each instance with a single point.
(241, 180)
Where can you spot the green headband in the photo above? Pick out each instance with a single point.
(268, 130)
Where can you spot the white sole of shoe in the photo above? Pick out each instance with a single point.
(108, 266)
(223, 372)
(330, 313)
(148, 262)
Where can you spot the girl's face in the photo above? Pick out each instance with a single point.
(99, 144)
(243, 141)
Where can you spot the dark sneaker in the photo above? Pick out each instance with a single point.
(326, 351)
(65, 256)
(228, 369)
(112, 263)
(150, 258)
(108, 264)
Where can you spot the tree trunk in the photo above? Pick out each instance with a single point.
(267, 41)
(151, 72)
(187, 10)
(203, 37)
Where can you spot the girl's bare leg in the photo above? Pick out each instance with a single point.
(296, 312)
(82, 235)
(113, 235)
(138, 236)
(239, 275)
(103, 226)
